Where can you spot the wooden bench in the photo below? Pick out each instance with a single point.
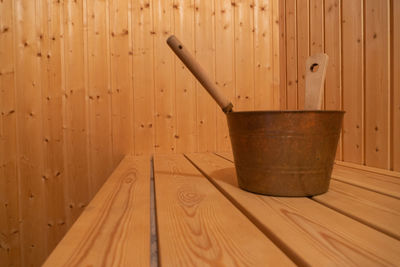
(203, 218)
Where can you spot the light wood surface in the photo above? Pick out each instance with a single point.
(197, 225)
(316, 66)
(376, 210)
(114, 229)
(291, 55)
(307, 231)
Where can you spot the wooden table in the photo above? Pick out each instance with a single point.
(203, 218)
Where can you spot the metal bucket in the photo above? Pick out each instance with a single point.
(284, 153)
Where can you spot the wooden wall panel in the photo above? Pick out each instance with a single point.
(205, 55)
(291, 55)
(395, 84)
(186, 131)
(9, 209)
(360, 38)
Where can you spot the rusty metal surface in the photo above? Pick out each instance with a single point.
(284, 153)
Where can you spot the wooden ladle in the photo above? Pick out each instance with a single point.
(316, 66)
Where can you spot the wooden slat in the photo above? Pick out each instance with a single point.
(376, 83)
(120, 13)
(29, 134)
(76, 187)
(378, 211)
(53, 95)
(291, 55)
(276, 41)
(395, 83)
(309, 232)
(165, 121)
(333, 88)
(244, 54)
(197, 225)
(263, 55)
(114, 229)
(385, 184)
(143, 72)
(9, 210)
(224, 65)
(303, 48)
(205, 55)
(185, 84)
(100, 145)
(282, 53)
(353, 80)
(363, 168)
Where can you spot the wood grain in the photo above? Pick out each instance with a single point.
(395, 84)
(382, 183)
(307, 231)
(114, 229)
(121, 76)
(376, 210)
(9, 209)
(303, 48)
(291, 55)
(143, 76)
(197, 225)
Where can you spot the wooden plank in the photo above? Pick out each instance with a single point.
(53, 95)
(381, 183)
(395, 83)
(29, 134)
(276, 40)
(378, 211)
(165, 121)
(121, 79)
(308, 232)
(100, 146)
(368, 169)
(9, 209)
(303, 49)
(353, 80)
(282, 53)
(376, 83)
(143, 72)
(76, 187)
(197, 225)
(291, 55)
(333, 88)
(205, 55)
(114, 229)
(185, 84)
(244, 54)
(263, 55)
(224, 65)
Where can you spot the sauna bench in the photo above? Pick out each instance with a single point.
(203, 218)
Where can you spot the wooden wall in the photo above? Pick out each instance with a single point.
(82, 82)
(362, 39)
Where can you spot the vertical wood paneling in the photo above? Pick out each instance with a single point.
(53, 95)
(99, 94)
(291, 55)
(395, 84)
(333, 87)
(164, 69)
(76, 160)
(143, 76)
(121, 79)
(224, 64)
(185, 84)
(376, 83)
(205, 55)
(353, 81)
(9, 210)
(30, 135)
(303, 48)
(244, 54)
(283, 56)
(263, 55)
(276, 42)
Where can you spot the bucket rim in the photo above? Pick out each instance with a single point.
(285, 111)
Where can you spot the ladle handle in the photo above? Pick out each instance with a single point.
(315, 77)
(200, 74)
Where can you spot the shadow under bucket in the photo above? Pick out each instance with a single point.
(284, 153)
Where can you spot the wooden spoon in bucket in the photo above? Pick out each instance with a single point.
(315, 77)
(200, 74)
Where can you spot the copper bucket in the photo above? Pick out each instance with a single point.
(280, 153)
(284, 153)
